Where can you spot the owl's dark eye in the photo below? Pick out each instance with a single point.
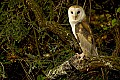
(78, 12)
(71, 12)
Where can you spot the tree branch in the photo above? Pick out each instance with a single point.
(84, 66)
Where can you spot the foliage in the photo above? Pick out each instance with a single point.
(23, 42)
(22, 39)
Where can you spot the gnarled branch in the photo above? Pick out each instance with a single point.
(92, 64)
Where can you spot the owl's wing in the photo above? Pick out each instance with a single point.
(85, 38)
(83, 28)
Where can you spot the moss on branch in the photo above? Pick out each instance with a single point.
(88, 65)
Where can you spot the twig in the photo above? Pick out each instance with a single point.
(103, 73)
(3, 71)
(90, 11)
(84, 4)
(29, 78)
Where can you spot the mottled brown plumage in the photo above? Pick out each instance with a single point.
(85, 38)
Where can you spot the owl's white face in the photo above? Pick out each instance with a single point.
(76, 14)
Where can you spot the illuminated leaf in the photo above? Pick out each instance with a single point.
(114, 22)
(118, 10)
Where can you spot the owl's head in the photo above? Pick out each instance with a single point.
(76, 14)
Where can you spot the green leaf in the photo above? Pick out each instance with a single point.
(118, 10)
(105, 28)
(40, 77)
(114, 22)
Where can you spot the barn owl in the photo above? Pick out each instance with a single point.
(82, 31)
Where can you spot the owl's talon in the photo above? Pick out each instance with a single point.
(80, 56)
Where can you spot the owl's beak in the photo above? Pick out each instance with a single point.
(75, 17)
